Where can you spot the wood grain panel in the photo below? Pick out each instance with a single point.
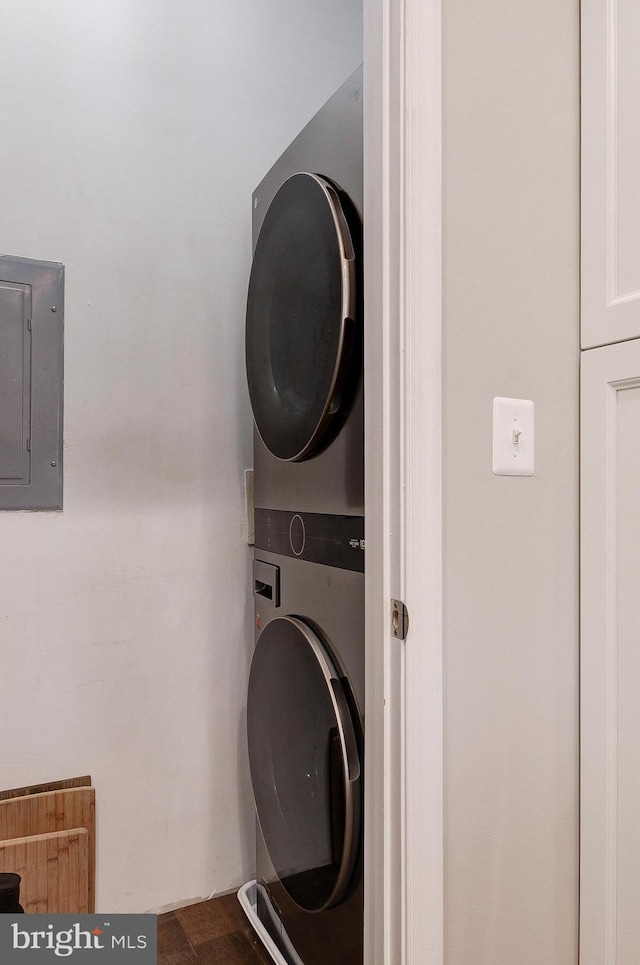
(54, 811)
(68, 782)
(54, 870)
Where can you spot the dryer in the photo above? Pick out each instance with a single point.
(304, 317)
(306, 741)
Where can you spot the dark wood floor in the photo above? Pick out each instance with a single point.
(214, 932)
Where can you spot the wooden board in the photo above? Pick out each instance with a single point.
(50, 786)
(54, 870)
(53, 811)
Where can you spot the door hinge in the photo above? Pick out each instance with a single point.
(399, 619)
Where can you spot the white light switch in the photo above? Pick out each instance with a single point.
(513, 437)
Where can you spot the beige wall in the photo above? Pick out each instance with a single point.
(511, 167)
(133, 136)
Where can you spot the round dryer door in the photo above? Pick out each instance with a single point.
(305, 764)
(301, 339)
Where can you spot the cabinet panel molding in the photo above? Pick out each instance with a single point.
(610, 233)
(610, 656)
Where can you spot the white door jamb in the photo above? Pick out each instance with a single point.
(404, 711)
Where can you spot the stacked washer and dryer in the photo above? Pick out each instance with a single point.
(305, 700)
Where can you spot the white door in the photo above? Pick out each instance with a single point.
(610, 715)
(610, 164)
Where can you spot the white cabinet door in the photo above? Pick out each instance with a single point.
(610, 171)
(610, 711)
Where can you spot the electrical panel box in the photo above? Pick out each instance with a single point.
(31, 383)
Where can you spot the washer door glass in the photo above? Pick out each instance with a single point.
(301, 332)
(305, 765)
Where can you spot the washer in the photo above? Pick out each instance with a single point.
(304, 317)
(306, 735)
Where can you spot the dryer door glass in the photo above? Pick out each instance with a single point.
(305, 764)
(301, 339)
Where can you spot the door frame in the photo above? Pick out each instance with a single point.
(606, 373)
(404, 919)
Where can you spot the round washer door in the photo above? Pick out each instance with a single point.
(301, 306)
(305, 765)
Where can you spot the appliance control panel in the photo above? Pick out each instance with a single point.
(315, 537)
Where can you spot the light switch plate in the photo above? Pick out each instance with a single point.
(513, 437)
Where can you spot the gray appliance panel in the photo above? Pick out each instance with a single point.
(333, 481)
(329, 145)
(333, 936)
(329, 598)
(332, 600)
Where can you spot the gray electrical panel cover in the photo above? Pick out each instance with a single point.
(31, 383)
